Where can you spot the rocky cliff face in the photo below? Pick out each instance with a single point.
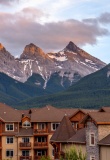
(71, 63)
(74, 61)
(9, 65)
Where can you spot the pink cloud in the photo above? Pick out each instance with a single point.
(18, 30)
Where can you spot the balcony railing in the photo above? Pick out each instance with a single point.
(37, 131)
(40, 144)
(25, 144)
(25, 158)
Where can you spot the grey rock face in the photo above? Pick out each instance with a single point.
(72, 62)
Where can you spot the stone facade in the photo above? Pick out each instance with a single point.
(92, 150)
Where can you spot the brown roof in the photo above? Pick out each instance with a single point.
(104, 109)
(98, 117)
(47, 114)
(8, 133)
(25, 132)
(64, 131)
(105, 141)
(69, 111)
(89, 110)
(9, 114)
(26, 112)
(79, 137)
(84, 111)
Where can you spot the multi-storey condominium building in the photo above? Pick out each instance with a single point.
(25, 135)
(31, 134)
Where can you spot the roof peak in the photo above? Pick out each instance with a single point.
(64, 127)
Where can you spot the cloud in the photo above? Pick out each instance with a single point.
(7, 2)
(17, 30)
(105, 18)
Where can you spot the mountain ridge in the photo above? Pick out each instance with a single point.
(67, 63)
(92, 91)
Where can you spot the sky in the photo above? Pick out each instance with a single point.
(51, 24)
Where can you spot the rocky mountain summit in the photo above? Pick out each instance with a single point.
(69, 64)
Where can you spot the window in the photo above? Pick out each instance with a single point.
(9, 140)
(76, 125)
(41, 139)
(26, 124)
(25, 140)
(41, 126)
(53, 152)
(92, 139)
(73, 124)
(9, 127)
(92, 157)
(54, 126)
(9, 153)
(41, 152)
(25, 153)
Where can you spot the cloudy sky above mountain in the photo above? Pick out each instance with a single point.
(52, 24)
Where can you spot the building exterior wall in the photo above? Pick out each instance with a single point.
(92, 150)
(6, 146)
(103, 131)
(30, 150)
(105, 153)
(50, 148)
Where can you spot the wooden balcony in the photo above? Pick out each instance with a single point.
(40, 132)
(26, 145)
(40, 145)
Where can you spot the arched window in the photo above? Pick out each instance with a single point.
(26, 124)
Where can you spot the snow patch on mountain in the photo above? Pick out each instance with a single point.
(66, 63)
(60, 58)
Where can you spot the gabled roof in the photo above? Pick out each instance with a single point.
(47, 114)
(98, 117)
(79, 110)
(25, 118)
(84, 111)
(79, 137)
(104, 109)
(64, 131)
(105, 141)
(9, 114)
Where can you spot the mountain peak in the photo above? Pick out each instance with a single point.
(32, 51)
(72, 47)
(1, 46)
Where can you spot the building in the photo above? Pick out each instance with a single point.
(47, 131)
(92, 134)
(25, 134)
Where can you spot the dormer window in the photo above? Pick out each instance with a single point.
(26, 124)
